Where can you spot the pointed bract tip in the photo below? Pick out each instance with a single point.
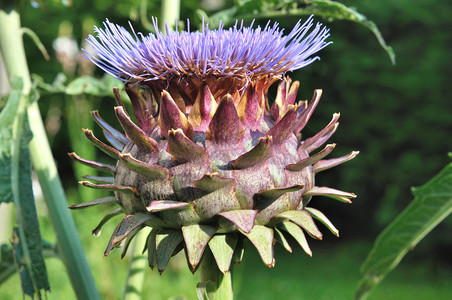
(292, 95)
(173, 131)
(182, 148)
(161, 205)
(101, 145)
(135, 133)
(165, 94)
(203, 109)
(118, 97)
(225, 126)
(330, 163)
(256, 156)
(171, 117)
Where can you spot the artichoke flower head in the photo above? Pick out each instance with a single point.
(210, 161)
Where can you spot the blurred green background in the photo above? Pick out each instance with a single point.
(399, 118)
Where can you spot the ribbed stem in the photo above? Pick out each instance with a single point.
(218, 285)
(170, 13)
(70, 247)
(137, 269)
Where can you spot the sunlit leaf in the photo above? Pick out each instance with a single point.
(431, 205)
(35, 38)
(57, 86)
(93, 86)
(261, 9)
(85, 85)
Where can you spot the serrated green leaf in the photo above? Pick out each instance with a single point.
(7, 264)
(21, 265)
(222, 247)
(432, 203)
(29, 219)
(7, 267)
(166, 243)
(7, 117)
(86, 85)
(15, 136)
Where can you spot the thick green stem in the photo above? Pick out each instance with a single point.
(137, 268)
(68, 240)
(170, 13)
(6, 228)
(218, 285)
(70, 247)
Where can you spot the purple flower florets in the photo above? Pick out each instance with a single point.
(244, 53)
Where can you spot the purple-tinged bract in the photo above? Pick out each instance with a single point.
(211, 162)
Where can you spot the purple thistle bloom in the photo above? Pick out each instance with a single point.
(211, 161)
(242, 53)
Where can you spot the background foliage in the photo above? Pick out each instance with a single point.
(399, 117)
